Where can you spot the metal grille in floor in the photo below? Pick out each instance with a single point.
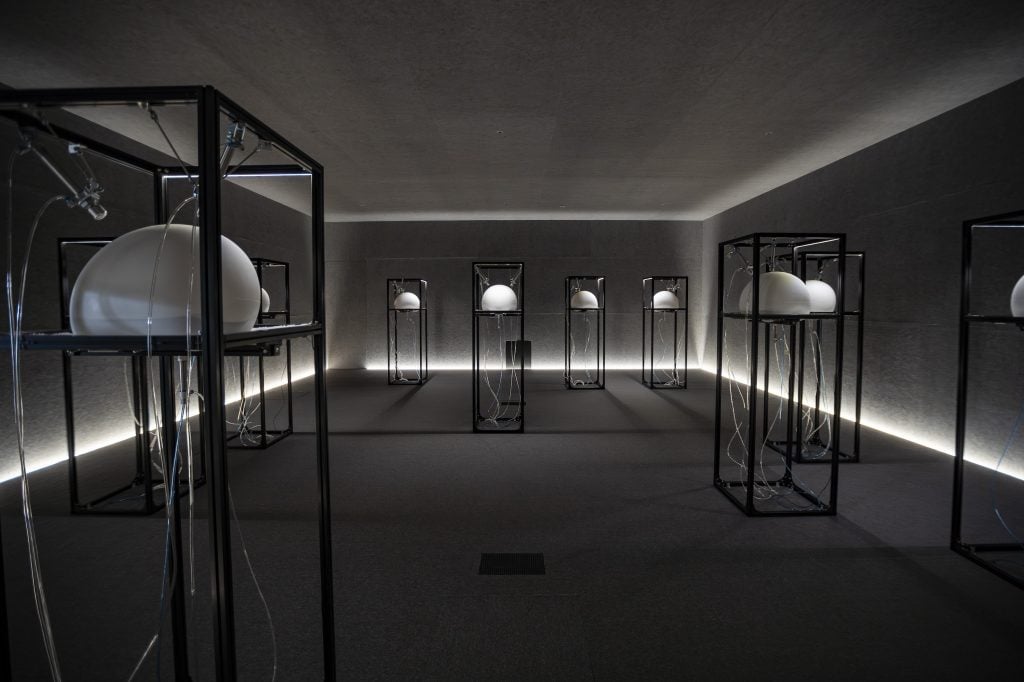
(516, 563)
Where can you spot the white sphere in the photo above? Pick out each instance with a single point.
(407, 301)
(583, 299)
(1017, 299)
(823, 296)
(665, 300)
(499, 298)
(264, 301)
(781, 294)
(112, 294)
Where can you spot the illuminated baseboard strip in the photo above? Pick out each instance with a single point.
(114, 438)
(945, 448)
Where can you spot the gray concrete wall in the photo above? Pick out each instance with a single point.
(902, 201)
(361, 256)
(260, 226)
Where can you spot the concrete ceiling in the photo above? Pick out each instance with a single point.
(527, 109)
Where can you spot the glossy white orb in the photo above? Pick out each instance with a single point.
(112, 294)
(407, 301)
(264, 301)
(583, 299)
(1017, 299)
(499, 298)
(823, 296)
(665, 300)
(781, 294)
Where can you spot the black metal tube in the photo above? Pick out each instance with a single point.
(211, 361)
(956, 539)
(322, 445)
(719, 299)
(170, 438)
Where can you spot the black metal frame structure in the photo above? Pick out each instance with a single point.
(786, 244)
(480, 282)
(800, 456)
(106, 504)
(211, 345)
(417, 316)
(983, 554)
(575, 283)
(651, 286)
(267, 436)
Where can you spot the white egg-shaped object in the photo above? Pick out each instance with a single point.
(784, 294)
(665, 300)
(1017, 299)
(745, 304)
(499, 298)
(264, 301)
(781, 294)
(112, 294)
(407, 301)
(823, 296)
(583, 299)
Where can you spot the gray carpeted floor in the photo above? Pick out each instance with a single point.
(651, 573)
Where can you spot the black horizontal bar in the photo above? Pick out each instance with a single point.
(56, 340)
(63, 97)
(254, 169)
(768, 319)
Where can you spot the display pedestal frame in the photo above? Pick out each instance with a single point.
(786, 494)
(209, 109)
(595, 317)
(266, 436)
(985, 554)
(496, 412)
(652, 331)
(396, 318)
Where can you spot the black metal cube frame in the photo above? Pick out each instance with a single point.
(754, 321)
(597, 287)
(267, 436)
(799, 455)
(394, 315)
(144, 425)
(517, 318)
(979, 553)
(212, 344)
(649, 315)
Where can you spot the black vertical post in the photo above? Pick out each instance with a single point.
(212, 357)
(686, 334)
(522, 354)
(323, 459)
(837, 404)
(643, 333)
(263, 400)
(860, 356)
(567, 333)
(718, 373)
(140, 368)
(961, 386)
(425, 313)
(168, 415)
(604, 328)
(754, 327)
(69, 419)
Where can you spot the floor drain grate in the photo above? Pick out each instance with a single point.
(512, 564)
